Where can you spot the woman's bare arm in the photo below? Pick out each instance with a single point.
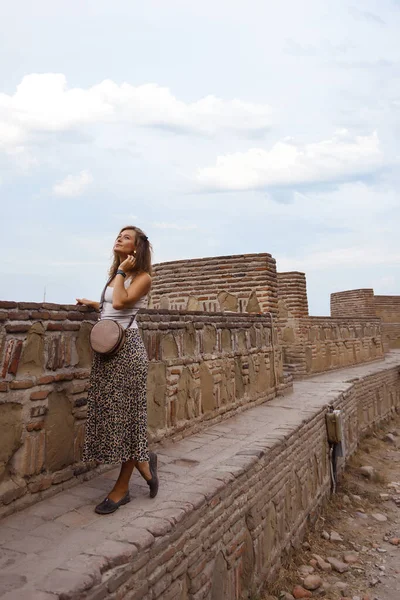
(124, 298)
(90, 303)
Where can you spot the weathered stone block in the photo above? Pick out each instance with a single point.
(11, 430)
(207, 388)
(156, 395)
(59, 432)
(32, 360)
(169, 348)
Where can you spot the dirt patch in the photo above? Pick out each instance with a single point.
(353, 549)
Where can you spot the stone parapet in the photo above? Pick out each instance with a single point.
(203, 368)
(313, 345)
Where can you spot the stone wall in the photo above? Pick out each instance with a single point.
(228, 543)
(241, 283)
(313, 345)
(202, 367)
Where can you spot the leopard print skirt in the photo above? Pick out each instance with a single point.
(116, 427)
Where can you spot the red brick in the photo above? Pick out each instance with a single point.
(6, 304)
(58, 316)
(71, 326)
(13, 368)
(17, 327)
(45, 379)
(40, 395)
(3, 386)
(82, 374)
(55, 327)
(21, 385)
(76, 316)
(29, 305)
(19, 315)
(35, 426)
(40, 314)
(64, 377)
(3, 315)
(50, 306)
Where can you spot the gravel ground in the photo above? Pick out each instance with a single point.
(357, 533)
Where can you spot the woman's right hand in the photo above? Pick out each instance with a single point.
(88, 303)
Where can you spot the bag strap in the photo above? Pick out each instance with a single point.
(101, 303)
(103, 293)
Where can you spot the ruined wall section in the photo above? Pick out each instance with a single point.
(203, 367)
(353, 303)
(240, 283)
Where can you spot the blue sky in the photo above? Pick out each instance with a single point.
(219, 128)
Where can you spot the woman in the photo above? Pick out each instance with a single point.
(116, 428)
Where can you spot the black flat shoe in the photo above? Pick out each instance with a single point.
(153, 482)
(108, 506)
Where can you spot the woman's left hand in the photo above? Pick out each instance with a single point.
(128, 264)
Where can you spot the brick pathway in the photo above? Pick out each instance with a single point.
(59, 545)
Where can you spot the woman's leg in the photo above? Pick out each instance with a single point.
(144, 469)
(121, 486)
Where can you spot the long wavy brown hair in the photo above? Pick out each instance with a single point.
(143, 253)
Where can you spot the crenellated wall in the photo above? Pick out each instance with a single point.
(240, 283)
(202, 367)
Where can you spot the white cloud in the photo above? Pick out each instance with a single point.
(73, 185)
(175, 226)
(44, 103)
(351, 257)
(335, 159)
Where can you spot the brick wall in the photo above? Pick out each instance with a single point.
(257, 507)
(292, 294)
(387, 308)
(353, 303)
(241, 283)
(364, 303)
(202, 367)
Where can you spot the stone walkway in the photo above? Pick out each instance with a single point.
(40, 546)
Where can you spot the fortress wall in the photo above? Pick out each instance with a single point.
(387, 308)
(235, 532)
(364, 303)
(292, 294)
(353, 303)
(203, 367)
(311, 345)
(240, 283)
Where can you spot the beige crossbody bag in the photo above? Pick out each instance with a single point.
(107, 336)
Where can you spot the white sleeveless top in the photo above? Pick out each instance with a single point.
(124, 315)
